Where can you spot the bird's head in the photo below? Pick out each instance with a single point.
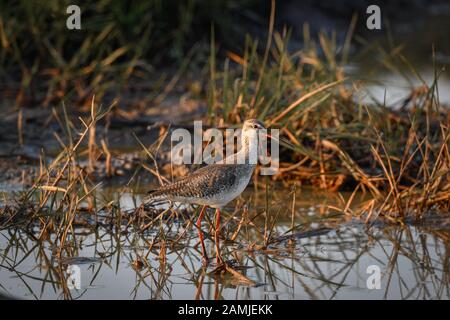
(253, 124)
(250, 132)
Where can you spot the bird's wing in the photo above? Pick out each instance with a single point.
(200, 184)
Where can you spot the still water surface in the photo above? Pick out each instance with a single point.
(326, 257)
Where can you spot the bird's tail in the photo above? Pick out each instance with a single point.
(154, 196)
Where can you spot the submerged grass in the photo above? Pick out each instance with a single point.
(293, 258)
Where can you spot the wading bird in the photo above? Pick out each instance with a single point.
(215, 185)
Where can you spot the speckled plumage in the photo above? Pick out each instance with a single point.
(216, 184)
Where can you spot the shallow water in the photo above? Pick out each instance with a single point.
(326, 257)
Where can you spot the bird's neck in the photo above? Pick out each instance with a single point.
(249, 147)
(248, 153)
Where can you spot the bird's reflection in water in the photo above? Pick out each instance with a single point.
(323, 257)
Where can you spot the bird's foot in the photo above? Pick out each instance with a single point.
(226, 269)
(219, 261)
(220, 268)
(205, 261)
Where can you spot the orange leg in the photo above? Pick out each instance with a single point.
(216, 237)
(200, 233)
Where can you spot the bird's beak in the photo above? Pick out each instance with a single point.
(281, 140)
